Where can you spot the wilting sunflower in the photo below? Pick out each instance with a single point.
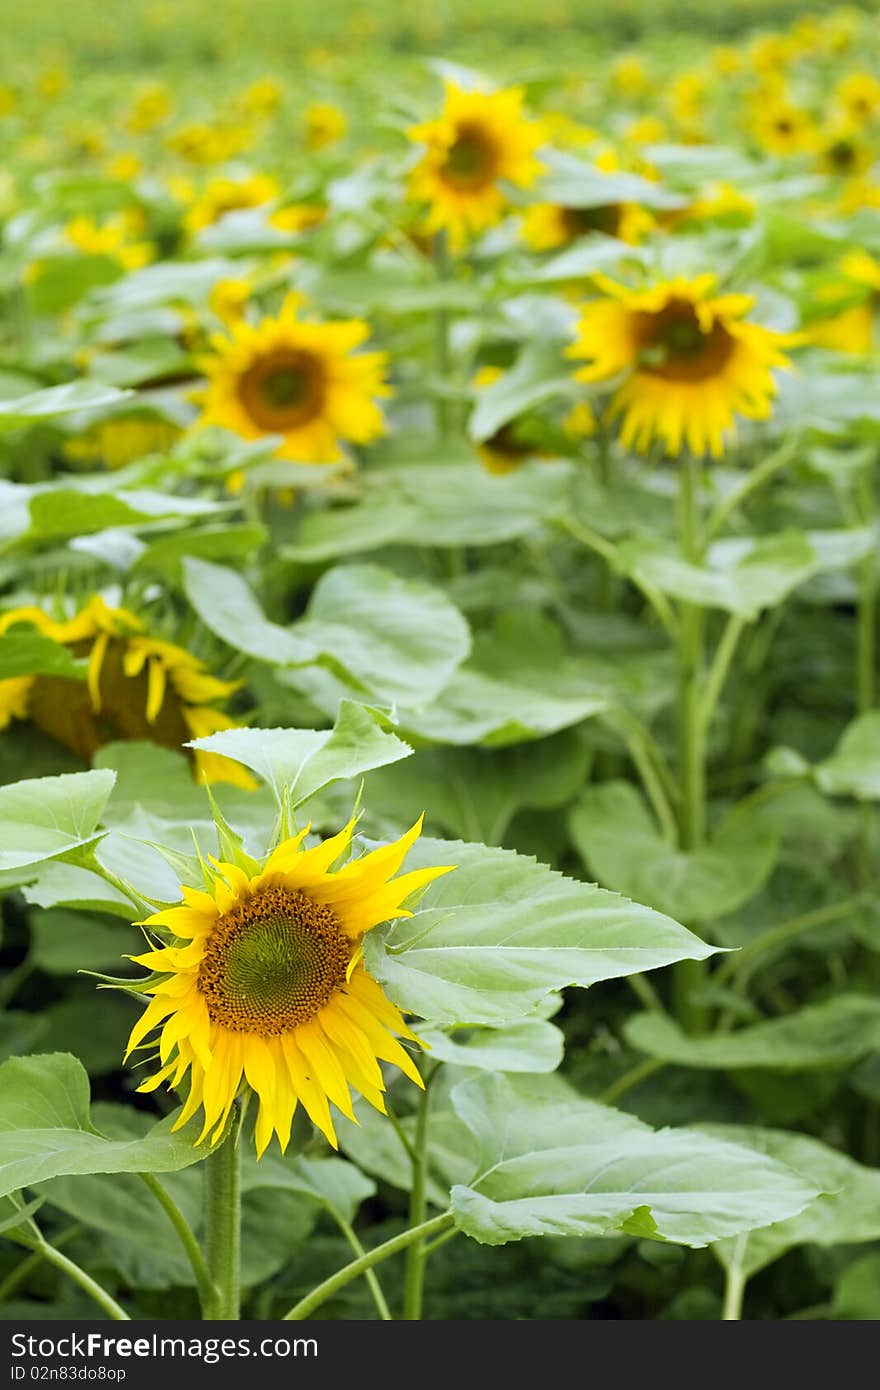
(547, 226)
(298, 379)
(262, 984)
(136, 687)
(691, 361)
(479, 141)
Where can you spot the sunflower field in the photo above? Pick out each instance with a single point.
(439, 726)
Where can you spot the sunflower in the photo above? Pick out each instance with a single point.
(479, 141)
(121, 439)
(859, 95)
(301, 380)
(849, 326)
(691, 361)
(224, 195)
(780, 127)
(262, 983)
(323, 125)
(547, 226)
(526, 436)
(136, 687)
(114, 237)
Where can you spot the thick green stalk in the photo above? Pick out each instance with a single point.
(414, 1278)
(307, 1305)
(735, 1282)
(689, 974)
(222, 1171)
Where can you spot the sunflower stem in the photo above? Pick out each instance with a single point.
(866, 679)
(204, 1282)
(735, 1282)
(222, 1171)
(85, 1281)
(307, 1305)
(369, 1275)
(688, 974)
(414, 1278)
(441, 338)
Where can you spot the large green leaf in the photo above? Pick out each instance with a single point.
(56, 401)
(576, 184)
(399, 639)
(45, 817)
(622, 847)
(489, 941)
(25, 651)
(553, 1163)
(298, 763)
(46, 1132)
(435, 504)
(747, 583)
(473, 793)
(539, 375)
(529, 1045)
(831, 1034)
(854, 767)
(847, 1213)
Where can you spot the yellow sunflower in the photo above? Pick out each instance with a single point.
(136, 687)
(843, 151)
(323, 125)
(224, 195)
(517, 440)
(859, 95)
(114, 237)
(849, 326)
(479, 142)
(298, 379)
(262, 984)
(547, 226)
(690, 360)
(118, 441)
(780, 127)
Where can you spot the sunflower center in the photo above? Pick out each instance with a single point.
(578, 221)
(676, 346)
(283, 391)
(272, 962)
(842, 154)
(470, 160)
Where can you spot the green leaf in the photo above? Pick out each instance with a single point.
(622, 848)
(45, 1130)
(473, 793)
(436, 504)
(396, 638)
(231, 543)
(25, 651)
(857, 1294)
(529, 1045)
(742, 583)
(67, 885)
(553, 1163)
(847, 1213)
(854, 767)
(537, 376)
(331, 1182)
(45, 817)
(573, 183)
(55, 401)
(299, 763)
(831, 1034)
(20, 1032)
(69, 511)
(489, 941)
(63, 942)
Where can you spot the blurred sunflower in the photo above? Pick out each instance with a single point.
(780, 127)
(842, 150)
(115, 237)
(150, 108)
(117, 441)
(263, 984)
(136, 687)
(323, 125)
(629, 75)
(224, 195)
(527, 436)
(547, 226)
(859, 95)
(479, 141)
(691, 362)
(299, 379)
(845, 322)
